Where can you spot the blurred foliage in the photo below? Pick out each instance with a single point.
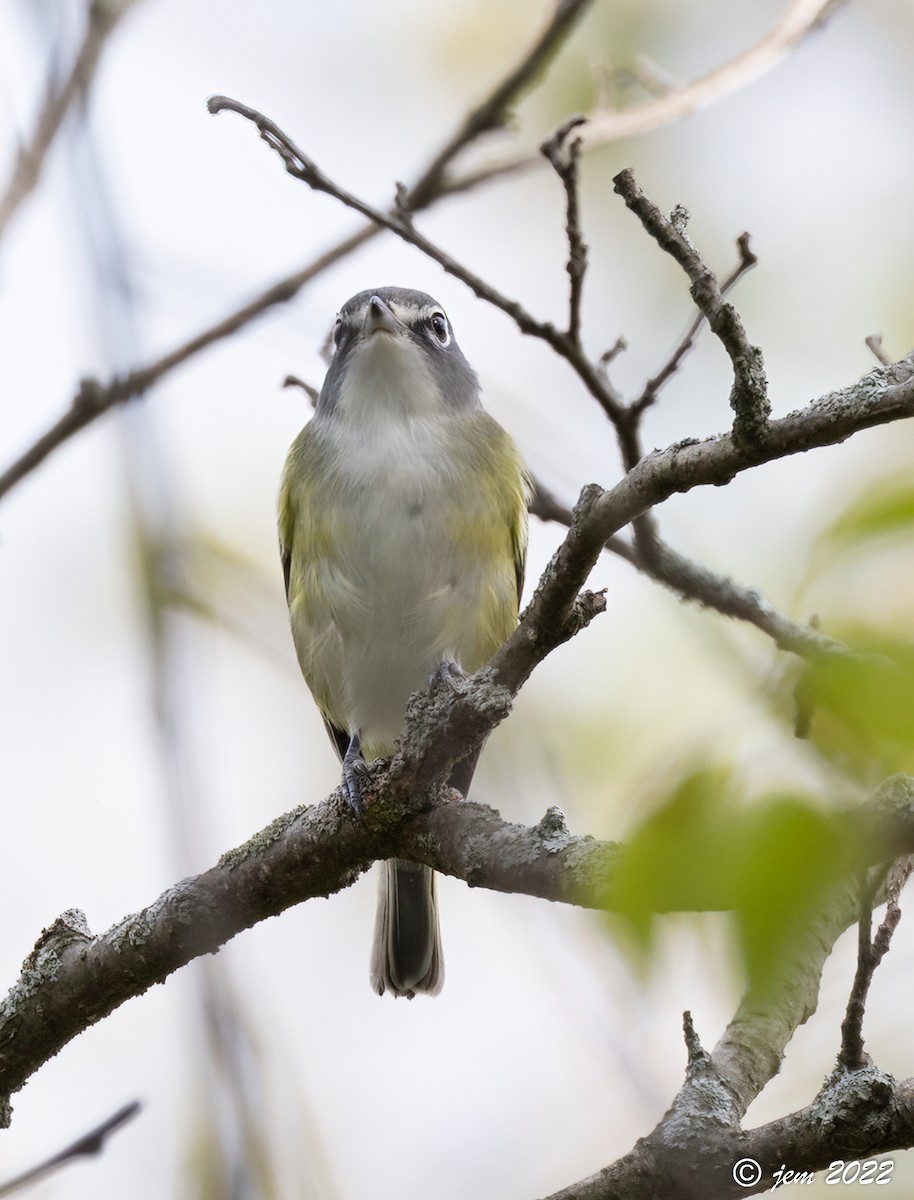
(190, 570)
(861, 707)
(774, 861)
(772, 864)
(882, 513)
(861, 715)
(595, 68)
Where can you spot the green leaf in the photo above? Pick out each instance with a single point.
(655, 871)
(772, 864)
(863, 703)
(791, 857)
(884, 510)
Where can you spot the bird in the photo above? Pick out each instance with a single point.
(402, 519)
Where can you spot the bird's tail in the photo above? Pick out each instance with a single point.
(406, 957)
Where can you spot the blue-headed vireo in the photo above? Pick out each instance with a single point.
(403, 531)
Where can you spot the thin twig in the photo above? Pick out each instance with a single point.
(607, 126)
(397, 221)
(798, 21)
(874, 344)
(852, 1056)
(747, 260)
(494, 110)
(94, 398)
(749, 394)
(870, 953)
(564, 153)
(429, 187)
(59, 98)
(608, 356)
(89, 1144)
(308, 388)
(697, 583)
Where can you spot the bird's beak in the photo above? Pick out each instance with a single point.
(379, 318)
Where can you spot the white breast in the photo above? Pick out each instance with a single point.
(403, 591)
(404, 598)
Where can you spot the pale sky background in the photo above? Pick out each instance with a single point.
(546, 1055)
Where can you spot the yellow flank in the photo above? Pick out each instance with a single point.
(497, 533)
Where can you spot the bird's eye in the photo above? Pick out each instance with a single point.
(440, 328)
(337, 333)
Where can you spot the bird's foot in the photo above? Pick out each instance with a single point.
(355, 775)
(447, 674)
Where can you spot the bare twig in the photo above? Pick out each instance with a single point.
(749, 395)
(798, 21)
(698, 583)
(870, 953)
(59, 98)
(874, 343)
(301, 166)
(747, 260)
(494, 110)
(608, 356)
(396, 220)
(564, 153)
(428, 188)
(885, 394)
(90, 1143)
(94, 398)
(604, 127)
(309, 389)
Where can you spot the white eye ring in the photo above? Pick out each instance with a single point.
(437, 323)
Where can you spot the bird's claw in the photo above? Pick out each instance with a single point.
(447, 674)
(355, 775)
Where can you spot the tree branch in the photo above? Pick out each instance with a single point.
(434, 184)
(89, 1144)
(884, 394)
(651, 390)
(59, 99)
(71, 980)
(564, 153)
(855, 1116)
(694, 1151)
(82, 978)
(607, 126)
(95, 398)
(749, 395)
(870, 953)
(697, 583)
(653, 479)
(398, 220)
(494, 111)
